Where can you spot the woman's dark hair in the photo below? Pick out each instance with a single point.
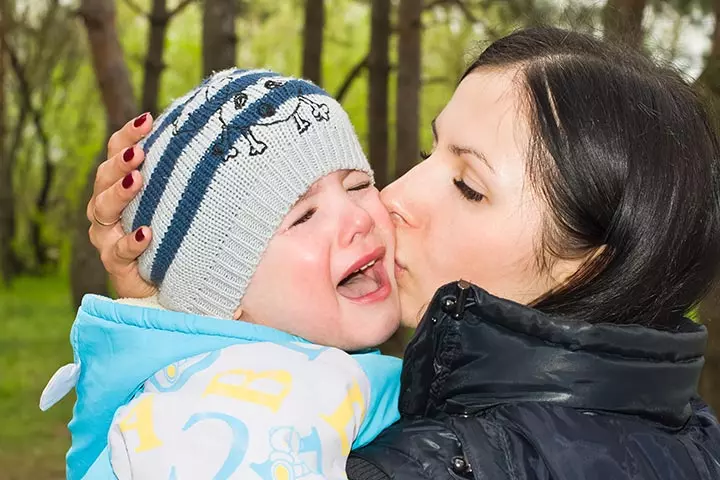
(626, 157)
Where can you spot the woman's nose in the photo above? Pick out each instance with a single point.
(400, 198)
(356, 223)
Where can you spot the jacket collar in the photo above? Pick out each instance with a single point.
(495, 351)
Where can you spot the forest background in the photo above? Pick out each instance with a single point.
(73, 71)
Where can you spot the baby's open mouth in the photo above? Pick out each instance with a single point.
(363, 281)
(368, 282)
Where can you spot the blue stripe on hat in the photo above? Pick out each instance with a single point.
(171, 116)
(205, 170)
(161, 174)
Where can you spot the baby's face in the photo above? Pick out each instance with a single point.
(328, 273)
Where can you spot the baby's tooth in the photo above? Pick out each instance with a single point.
(362, 269)
(365, 267)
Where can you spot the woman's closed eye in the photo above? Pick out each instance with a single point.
(466, 191)
(307, 216)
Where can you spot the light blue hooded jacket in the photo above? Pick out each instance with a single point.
(118, 347)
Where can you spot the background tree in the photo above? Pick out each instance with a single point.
(407, 106)
(113, 80)
(41, 41)
(710, 380)
(378, 77)
(709, 79)
(159, 19)
(709, 312)
(313, 30)
(219, 44)
(623, 21)
(29, 109)
(7, 199)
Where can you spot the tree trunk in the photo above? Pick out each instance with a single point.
(26, 95)
(219, 38)
(108, 61)
(623, 21)
(710, 380)
(86, 270)
(41, 205)
(709, 80)
(407, 106)
(379, 71)
(154, 65)
(7, 200)
(313, 40)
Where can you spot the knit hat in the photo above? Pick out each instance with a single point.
(223, 166)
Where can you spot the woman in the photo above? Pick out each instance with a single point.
(577, 186)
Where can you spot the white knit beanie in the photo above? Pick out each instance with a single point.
(223, 166)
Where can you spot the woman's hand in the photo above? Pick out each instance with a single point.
(117, 181)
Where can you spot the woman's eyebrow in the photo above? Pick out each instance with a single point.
(462, 150)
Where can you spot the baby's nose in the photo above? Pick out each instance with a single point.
(357, 224)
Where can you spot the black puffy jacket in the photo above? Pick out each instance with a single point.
(494, 390)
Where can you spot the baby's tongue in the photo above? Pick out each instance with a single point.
(359, 285)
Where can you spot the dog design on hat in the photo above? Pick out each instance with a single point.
(235, 114)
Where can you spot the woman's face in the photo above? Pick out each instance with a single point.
(467, 210)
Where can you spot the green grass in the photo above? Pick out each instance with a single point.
(35, 319)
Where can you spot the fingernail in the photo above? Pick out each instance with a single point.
(140, 120)
(128, 154)
(127, 181)
(139, 235)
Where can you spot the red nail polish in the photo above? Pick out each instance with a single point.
(140, 120)
(139, 235)
(127, 181)
(128, 154)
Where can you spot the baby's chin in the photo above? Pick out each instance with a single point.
(361, 336)
(354, 336)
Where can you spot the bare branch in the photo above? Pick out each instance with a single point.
(17, 133)
(48, 168)
(135, 7)
(26, 94)
(436, 3)
(351, 76)
(436, 80)
(25, 90)
(180, 7)
(710, 76)
(466, 11)
(470, 16)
